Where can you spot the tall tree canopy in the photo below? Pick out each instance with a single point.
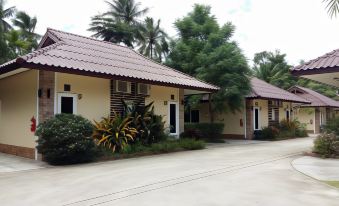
(273, 68)
(4, 15)
(120, 24)
(205, 50)
(19, 38)
(4, 27)
(26, 27)
(153, 41)
(332, 7)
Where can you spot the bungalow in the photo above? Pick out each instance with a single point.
(266, 105)
(316, 114)
(69, 73)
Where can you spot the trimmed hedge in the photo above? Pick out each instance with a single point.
(203, 130)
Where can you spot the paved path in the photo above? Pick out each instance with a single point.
(321, 169)
(11, 163)
(245, 175)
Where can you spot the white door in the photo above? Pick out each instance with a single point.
(256, 118)
(173, 118)
(67, 103)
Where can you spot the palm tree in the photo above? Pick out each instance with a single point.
(332, 7)
(26, 25)
(17, 46)
(120, 24)
(273, 68)
(153, 41)
(4, 14)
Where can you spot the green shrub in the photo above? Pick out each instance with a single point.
(165, 146)
(326, 145)
(206, 130)
(66, 139)
(151, 127)
(332, 125)
(267, 133)
(191, 144)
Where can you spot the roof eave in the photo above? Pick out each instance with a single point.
(21, 63)
(285, 100)
(312, 71)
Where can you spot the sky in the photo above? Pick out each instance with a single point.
(301, 29)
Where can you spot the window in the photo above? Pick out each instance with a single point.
(123, 86)
(173, 118)
(143, 89)
(192, 116)
(67, 103)
(256, 118)
(273, 114)
(287, 115)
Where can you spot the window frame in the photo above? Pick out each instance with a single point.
(75, 101)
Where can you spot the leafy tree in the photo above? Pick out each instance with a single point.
(205, 50)
(153, 41)
(332, 7)
(5, 14)
(273, 68)
(120, 24)
(26, 25)
(4, 27)
(17, 46)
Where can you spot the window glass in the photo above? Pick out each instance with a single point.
(67, 105)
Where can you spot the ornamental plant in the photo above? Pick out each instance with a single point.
(114, 133)
(66, 139)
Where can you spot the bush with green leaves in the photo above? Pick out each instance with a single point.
(114, 133)
(151, 127)
(66, 139)
(204, 130)
(332, 125)
(267, 133)
(326, 145)
(164, 146)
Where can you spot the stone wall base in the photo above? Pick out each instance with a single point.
(18, 151)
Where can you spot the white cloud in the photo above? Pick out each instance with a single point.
(301, 29)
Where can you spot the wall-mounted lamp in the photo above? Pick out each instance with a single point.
(48, 93)
(79, 96)
(40, 93)
(165, 102)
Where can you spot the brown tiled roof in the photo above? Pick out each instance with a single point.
(87, 56)
(316, 99)
(264, 90)
(320, 64)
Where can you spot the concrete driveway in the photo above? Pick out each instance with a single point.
(247, 174)
(11, 163)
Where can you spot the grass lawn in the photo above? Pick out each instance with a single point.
(333, 183)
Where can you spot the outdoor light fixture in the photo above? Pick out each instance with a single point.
(48, 93)
(40, 93)
(165, 102)
(79, 96)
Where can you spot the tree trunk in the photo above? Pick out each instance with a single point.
(210, 108)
